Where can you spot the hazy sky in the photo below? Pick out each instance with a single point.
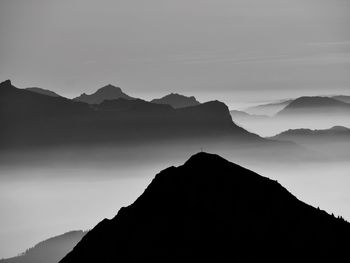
(234, 50)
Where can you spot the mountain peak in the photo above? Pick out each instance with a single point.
(202, 158)
(6, 83)
(313, 101)
(109, 87)
(308, 101)
(340, 129)
(177, 100)
(315, 105)
(108, 92)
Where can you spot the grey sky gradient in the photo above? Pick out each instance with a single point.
(236, 50)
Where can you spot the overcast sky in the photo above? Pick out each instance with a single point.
(235, 50)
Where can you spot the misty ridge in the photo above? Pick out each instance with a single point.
(308, 112)
(334, 142)
(37, 122)
(34, 119)
(38, 119)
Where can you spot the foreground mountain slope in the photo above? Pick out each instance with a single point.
(177, 100)
(211, 210)
(49, 251)
(108, 92)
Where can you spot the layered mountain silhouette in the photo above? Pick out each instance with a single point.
(21, 105)
(49, 251)
(32, 119)
(333, 142)
(334, 131)
(211, 210)
(177, 101)
(313, 112)
(242, 116)
(315, 105)
(273, 108)
(342, 98)
(268, 109)
(44, 91)
(108, 92)
(302, 136)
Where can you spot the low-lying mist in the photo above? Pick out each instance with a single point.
(46, 193)
(269, 126)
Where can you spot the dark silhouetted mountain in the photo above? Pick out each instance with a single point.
(44, 92)
(211, 210)
(177, 101)
(269, 109)
(49, 251)
(32, 119)
(137, 105)
(108, 92)
(315, 105)
(24, 105)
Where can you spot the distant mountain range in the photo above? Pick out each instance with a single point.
(44, 92)
(333, 142)
(49, 251)
(242, 115)
(111, 92)
(315, 105)
(37, 118)
(336, 133)
(336, 130)
(33, 120)
(177, 101)
(211, 210)
(270, 109)
(313, 112)
(342, 98)
(108, 92)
